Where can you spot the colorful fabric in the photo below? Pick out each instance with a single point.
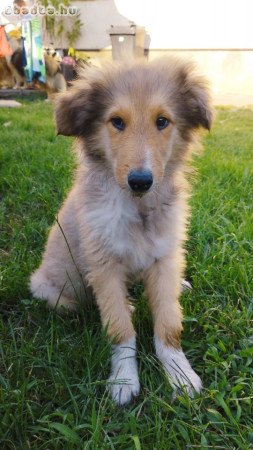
(5, 49)
(24, 59)
(26, 33)
(16, 33)
(31, 33)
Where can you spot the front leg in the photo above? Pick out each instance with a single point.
(111, 295)
(162, 282)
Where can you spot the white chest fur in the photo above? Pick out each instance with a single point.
(114, 218)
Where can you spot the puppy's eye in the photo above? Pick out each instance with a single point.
(162, 122)
(118, 123)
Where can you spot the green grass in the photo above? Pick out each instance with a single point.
(53, 370)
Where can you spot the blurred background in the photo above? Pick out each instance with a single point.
(40, 49)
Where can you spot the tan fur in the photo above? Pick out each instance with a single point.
(113, 236)
(55, 81)
(19, 79)
(6, 76)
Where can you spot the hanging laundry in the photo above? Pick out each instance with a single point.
(24, 59)
(38, 60)
(27, 41)
(5, 49)
(33, 47)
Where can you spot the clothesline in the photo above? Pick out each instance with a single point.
(30, 44)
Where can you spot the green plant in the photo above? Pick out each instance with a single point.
(62, 26)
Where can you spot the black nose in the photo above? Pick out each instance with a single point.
(140, 180)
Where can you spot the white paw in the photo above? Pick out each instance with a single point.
(122, 389)
(181, 376)
(188, 382)
(42, 288)
(185, 285)
(123, 382)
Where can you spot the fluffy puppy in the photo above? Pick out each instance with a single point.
(125, 217)
(55, 81)
(6, 76)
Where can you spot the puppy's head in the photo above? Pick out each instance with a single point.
(138, 118)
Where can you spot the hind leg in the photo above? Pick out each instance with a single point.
(42, 287)
(57, 280)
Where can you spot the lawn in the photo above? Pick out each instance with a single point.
(53, 370)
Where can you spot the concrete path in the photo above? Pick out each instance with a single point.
(9, 104)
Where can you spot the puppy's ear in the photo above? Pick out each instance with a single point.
(80, 110)
(195, 100)
(70, 112)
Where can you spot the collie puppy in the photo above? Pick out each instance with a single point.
(55, 81)
(125, 217)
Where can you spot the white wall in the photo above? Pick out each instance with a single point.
(184, 24)
(193, 23)
(97, 17)
(230, 73)
(180, 24)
